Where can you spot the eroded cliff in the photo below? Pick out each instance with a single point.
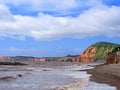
(21, 58)
(88, 55)
(96, 52)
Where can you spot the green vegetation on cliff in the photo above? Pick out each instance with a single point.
(102, 48)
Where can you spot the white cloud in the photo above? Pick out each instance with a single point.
(5, 14)
(41, 5)
(98, 20)
(53, 7)
(50, 5)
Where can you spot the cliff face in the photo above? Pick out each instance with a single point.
(88, 55)
(96, 52)
(40, 59)
(21, 58)
(66, 59)
(114, 56)
(4, 58)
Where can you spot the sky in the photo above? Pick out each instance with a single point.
(54, 28)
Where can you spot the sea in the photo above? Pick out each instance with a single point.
(65, 77)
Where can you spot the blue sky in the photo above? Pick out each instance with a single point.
(47, 28)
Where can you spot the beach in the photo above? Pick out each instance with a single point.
(52, 76)
(109, 74)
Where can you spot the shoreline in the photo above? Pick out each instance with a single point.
(101, 74)
(107, 74)
(63, 76)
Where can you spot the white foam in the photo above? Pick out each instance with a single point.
(98, 86)
(78, 74)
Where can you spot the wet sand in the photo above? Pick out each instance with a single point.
(108, 74)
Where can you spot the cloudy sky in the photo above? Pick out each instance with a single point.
(56, 27)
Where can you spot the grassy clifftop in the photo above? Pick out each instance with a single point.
(102, 48)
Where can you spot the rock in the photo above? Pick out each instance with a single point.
(66, 59)
(40, 59)
(88, 55)
(97, 52)
(7, 78)
(20, 75)
(21, 58)
(4, 58)
(114, 56)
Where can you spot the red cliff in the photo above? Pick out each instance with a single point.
(113, 57)
(21, 58)
(40, 59)
(97, 52)
(88, 55)
(5, 58)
